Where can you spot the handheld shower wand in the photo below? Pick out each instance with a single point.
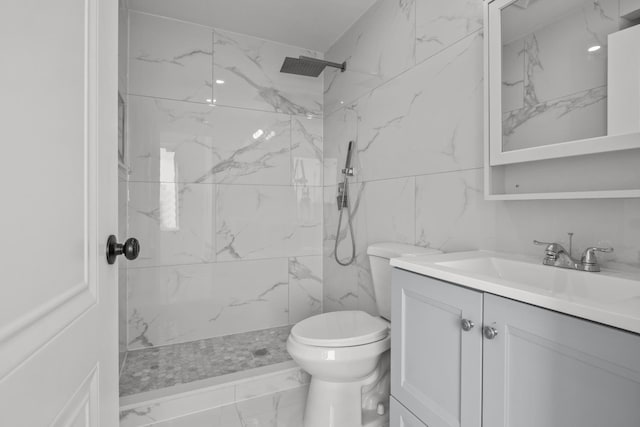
(348, 170)
(343, 204)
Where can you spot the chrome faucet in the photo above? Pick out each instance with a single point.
(557, 256)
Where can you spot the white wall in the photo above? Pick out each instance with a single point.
(225, 184)
(412, 99)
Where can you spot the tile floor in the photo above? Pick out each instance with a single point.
(159, 367)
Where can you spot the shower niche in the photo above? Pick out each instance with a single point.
(562, 104)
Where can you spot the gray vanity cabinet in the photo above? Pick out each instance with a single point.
(549, 369)
(518, 366)
(401, 417)
(436, 364)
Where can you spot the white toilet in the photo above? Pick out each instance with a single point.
(346, 353)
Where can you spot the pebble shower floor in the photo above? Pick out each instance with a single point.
(166, 366)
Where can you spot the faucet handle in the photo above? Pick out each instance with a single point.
(589, 255)
(594, 248)
(551, 251)
(552, 247)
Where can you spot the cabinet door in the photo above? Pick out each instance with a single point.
(401, 417)
(435, 364)
(549, 369)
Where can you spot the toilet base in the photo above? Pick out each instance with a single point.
(331, 404)
(350, 404)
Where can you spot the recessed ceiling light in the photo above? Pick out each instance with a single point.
(594, 48)
(257, 134)
(220, 82)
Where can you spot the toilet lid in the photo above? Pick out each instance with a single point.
(340, 329)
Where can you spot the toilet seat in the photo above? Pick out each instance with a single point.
(340, 329)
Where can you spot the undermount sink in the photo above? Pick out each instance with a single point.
(551, 280)
(608, 297)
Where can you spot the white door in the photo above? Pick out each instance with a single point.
(58, 166)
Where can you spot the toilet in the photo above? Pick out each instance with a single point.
(347, 353)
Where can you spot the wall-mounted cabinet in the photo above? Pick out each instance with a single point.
(514, 365)
(562, 113)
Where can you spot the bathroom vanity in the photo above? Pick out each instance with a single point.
(488, 339)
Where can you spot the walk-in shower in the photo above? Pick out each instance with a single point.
(231, 238)
(343, 204)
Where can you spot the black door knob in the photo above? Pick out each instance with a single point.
(130, 249)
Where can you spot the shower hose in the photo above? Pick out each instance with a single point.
(344, 206)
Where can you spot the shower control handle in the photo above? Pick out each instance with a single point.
(130, 249)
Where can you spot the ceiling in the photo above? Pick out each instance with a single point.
(312, 24)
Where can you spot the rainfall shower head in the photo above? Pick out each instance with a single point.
(306, 66)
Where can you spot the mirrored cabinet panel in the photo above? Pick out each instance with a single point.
(563, 81)
(554, 70)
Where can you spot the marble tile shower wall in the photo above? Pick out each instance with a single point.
(225, 185)
(412, 99)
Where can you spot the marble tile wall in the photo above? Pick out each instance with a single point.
(412, 99)
(225, 184)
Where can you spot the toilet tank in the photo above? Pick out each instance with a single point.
(379, 256)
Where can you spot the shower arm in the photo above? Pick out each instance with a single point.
(342, 67)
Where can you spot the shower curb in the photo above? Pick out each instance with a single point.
(150, 408)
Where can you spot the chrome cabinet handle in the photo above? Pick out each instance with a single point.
(490, 332)
(467, 324)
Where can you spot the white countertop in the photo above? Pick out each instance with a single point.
(608, 297)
